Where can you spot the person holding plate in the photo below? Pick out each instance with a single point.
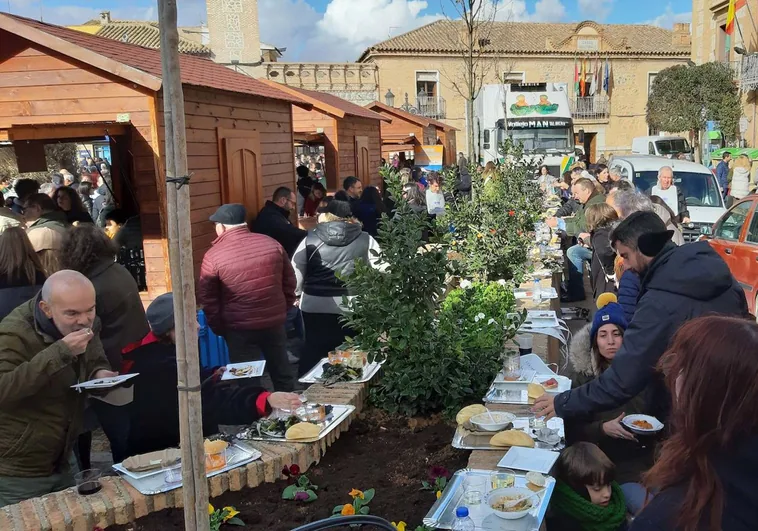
(47, 345)
(154, 411)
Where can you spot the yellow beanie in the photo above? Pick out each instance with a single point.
(604, 299)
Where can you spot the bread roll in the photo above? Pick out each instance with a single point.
(215, 447)
(535, 390)
(469, 411)
(512, 438)
(302, 430)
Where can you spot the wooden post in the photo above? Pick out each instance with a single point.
(194, 481)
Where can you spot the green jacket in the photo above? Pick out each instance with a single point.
(576, 225)
(40, 414)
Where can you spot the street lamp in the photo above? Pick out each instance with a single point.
(389, 98)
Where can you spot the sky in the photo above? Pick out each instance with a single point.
(340, 30)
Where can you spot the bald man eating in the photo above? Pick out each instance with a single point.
(47, 345)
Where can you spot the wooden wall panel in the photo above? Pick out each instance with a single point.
(349, 128)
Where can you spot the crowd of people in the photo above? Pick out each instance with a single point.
(668, 340)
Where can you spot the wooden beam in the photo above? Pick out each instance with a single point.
(315, 102)
(69, 49)
(63, 131)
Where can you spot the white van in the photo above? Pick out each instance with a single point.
(662, 146)
(701, 190)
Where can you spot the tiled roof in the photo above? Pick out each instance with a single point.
(146, 34)
(445, 36)
(410, 117)
(329, 100)
(196, 71)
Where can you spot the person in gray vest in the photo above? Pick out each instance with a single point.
(328, 250)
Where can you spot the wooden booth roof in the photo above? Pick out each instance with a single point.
(329, 103)
(137, 64)
(409, 117)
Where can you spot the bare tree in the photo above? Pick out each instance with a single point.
(471, 25)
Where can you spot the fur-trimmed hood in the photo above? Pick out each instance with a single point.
(583, 359)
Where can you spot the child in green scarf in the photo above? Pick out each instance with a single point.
(586, 497)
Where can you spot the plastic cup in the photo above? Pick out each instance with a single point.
(88, 481)
(502, 479)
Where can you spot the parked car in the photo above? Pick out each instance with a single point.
(699, 185)
(662, 146)
(735, 238)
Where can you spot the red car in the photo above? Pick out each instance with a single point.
(735, 238)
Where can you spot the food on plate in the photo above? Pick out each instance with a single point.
(642, 424)
(302, 430)
(535, 481)
(552, 383)
(339, 372)
(511, 504)
(469, 411)
(348, 356)
(512, 438)
(535, 390)
(241, 371)
(215, 447)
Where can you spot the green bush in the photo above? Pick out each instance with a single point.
(490, 231)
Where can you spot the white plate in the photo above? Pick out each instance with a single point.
(529, 459)
(526, 377)
(657, 424)
(339, 414)
(256, 372)
(104, 383)
(312, 376)
(564, 383)
(513, 491)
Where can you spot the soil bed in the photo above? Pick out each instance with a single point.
(377, 452)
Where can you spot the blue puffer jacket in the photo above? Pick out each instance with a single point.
(629, 290)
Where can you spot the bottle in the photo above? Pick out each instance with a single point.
(463, 521)
(536, 291)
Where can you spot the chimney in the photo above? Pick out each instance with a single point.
(105, 18)
(681, 36)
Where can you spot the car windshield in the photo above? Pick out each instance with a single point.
(699, 188)
(536, 140)
(672, 146)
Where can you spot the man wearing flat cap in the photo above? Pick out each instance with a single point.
(246, 286)
(677, 284)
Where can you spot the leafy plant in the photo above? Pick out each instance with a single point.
(438, 478)
(359, 505)
(227, 515)
(489, 231)
(402, 526)
(302, 489)
(684, 98)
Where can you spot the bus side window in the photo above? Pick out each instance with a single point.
(486, 139)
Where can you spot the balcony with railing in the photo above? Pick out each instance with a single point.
(591, 108)
(427, 106)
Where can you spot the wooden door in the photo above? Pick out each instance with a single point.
(362, 164)
(241, 182)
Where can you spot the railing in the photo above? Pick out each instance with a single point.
(591, 108)
(430, 107)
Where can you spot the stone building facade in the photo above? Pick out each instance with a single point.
(235, 34)
(711, 43)
(423, 65)
(354, 82)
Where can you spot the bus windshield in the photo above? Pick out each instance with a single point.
(536, 140)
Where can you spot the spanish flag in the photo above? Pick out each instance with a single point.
(734, 5)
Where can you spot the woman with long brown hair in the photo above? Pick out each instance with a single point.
(71, 204)
(707, 470)
(21, 273)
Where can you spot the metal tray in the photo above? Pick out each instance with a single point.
(442, 513)
(554, 423)
(237, 455)
(312, 376)
(340, 413)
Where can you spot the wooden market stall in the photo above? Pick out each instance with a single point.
(352, 135)
(59, 85)
(407, 130)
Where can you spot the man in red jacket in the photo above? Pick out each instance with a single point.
(246, 286)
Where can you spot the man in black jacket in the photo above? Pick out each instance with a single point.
(274, 220)
(678, 284)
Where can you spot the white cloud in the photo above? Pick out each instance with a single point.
(517, 11)
(595, 9)
(669, 17)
